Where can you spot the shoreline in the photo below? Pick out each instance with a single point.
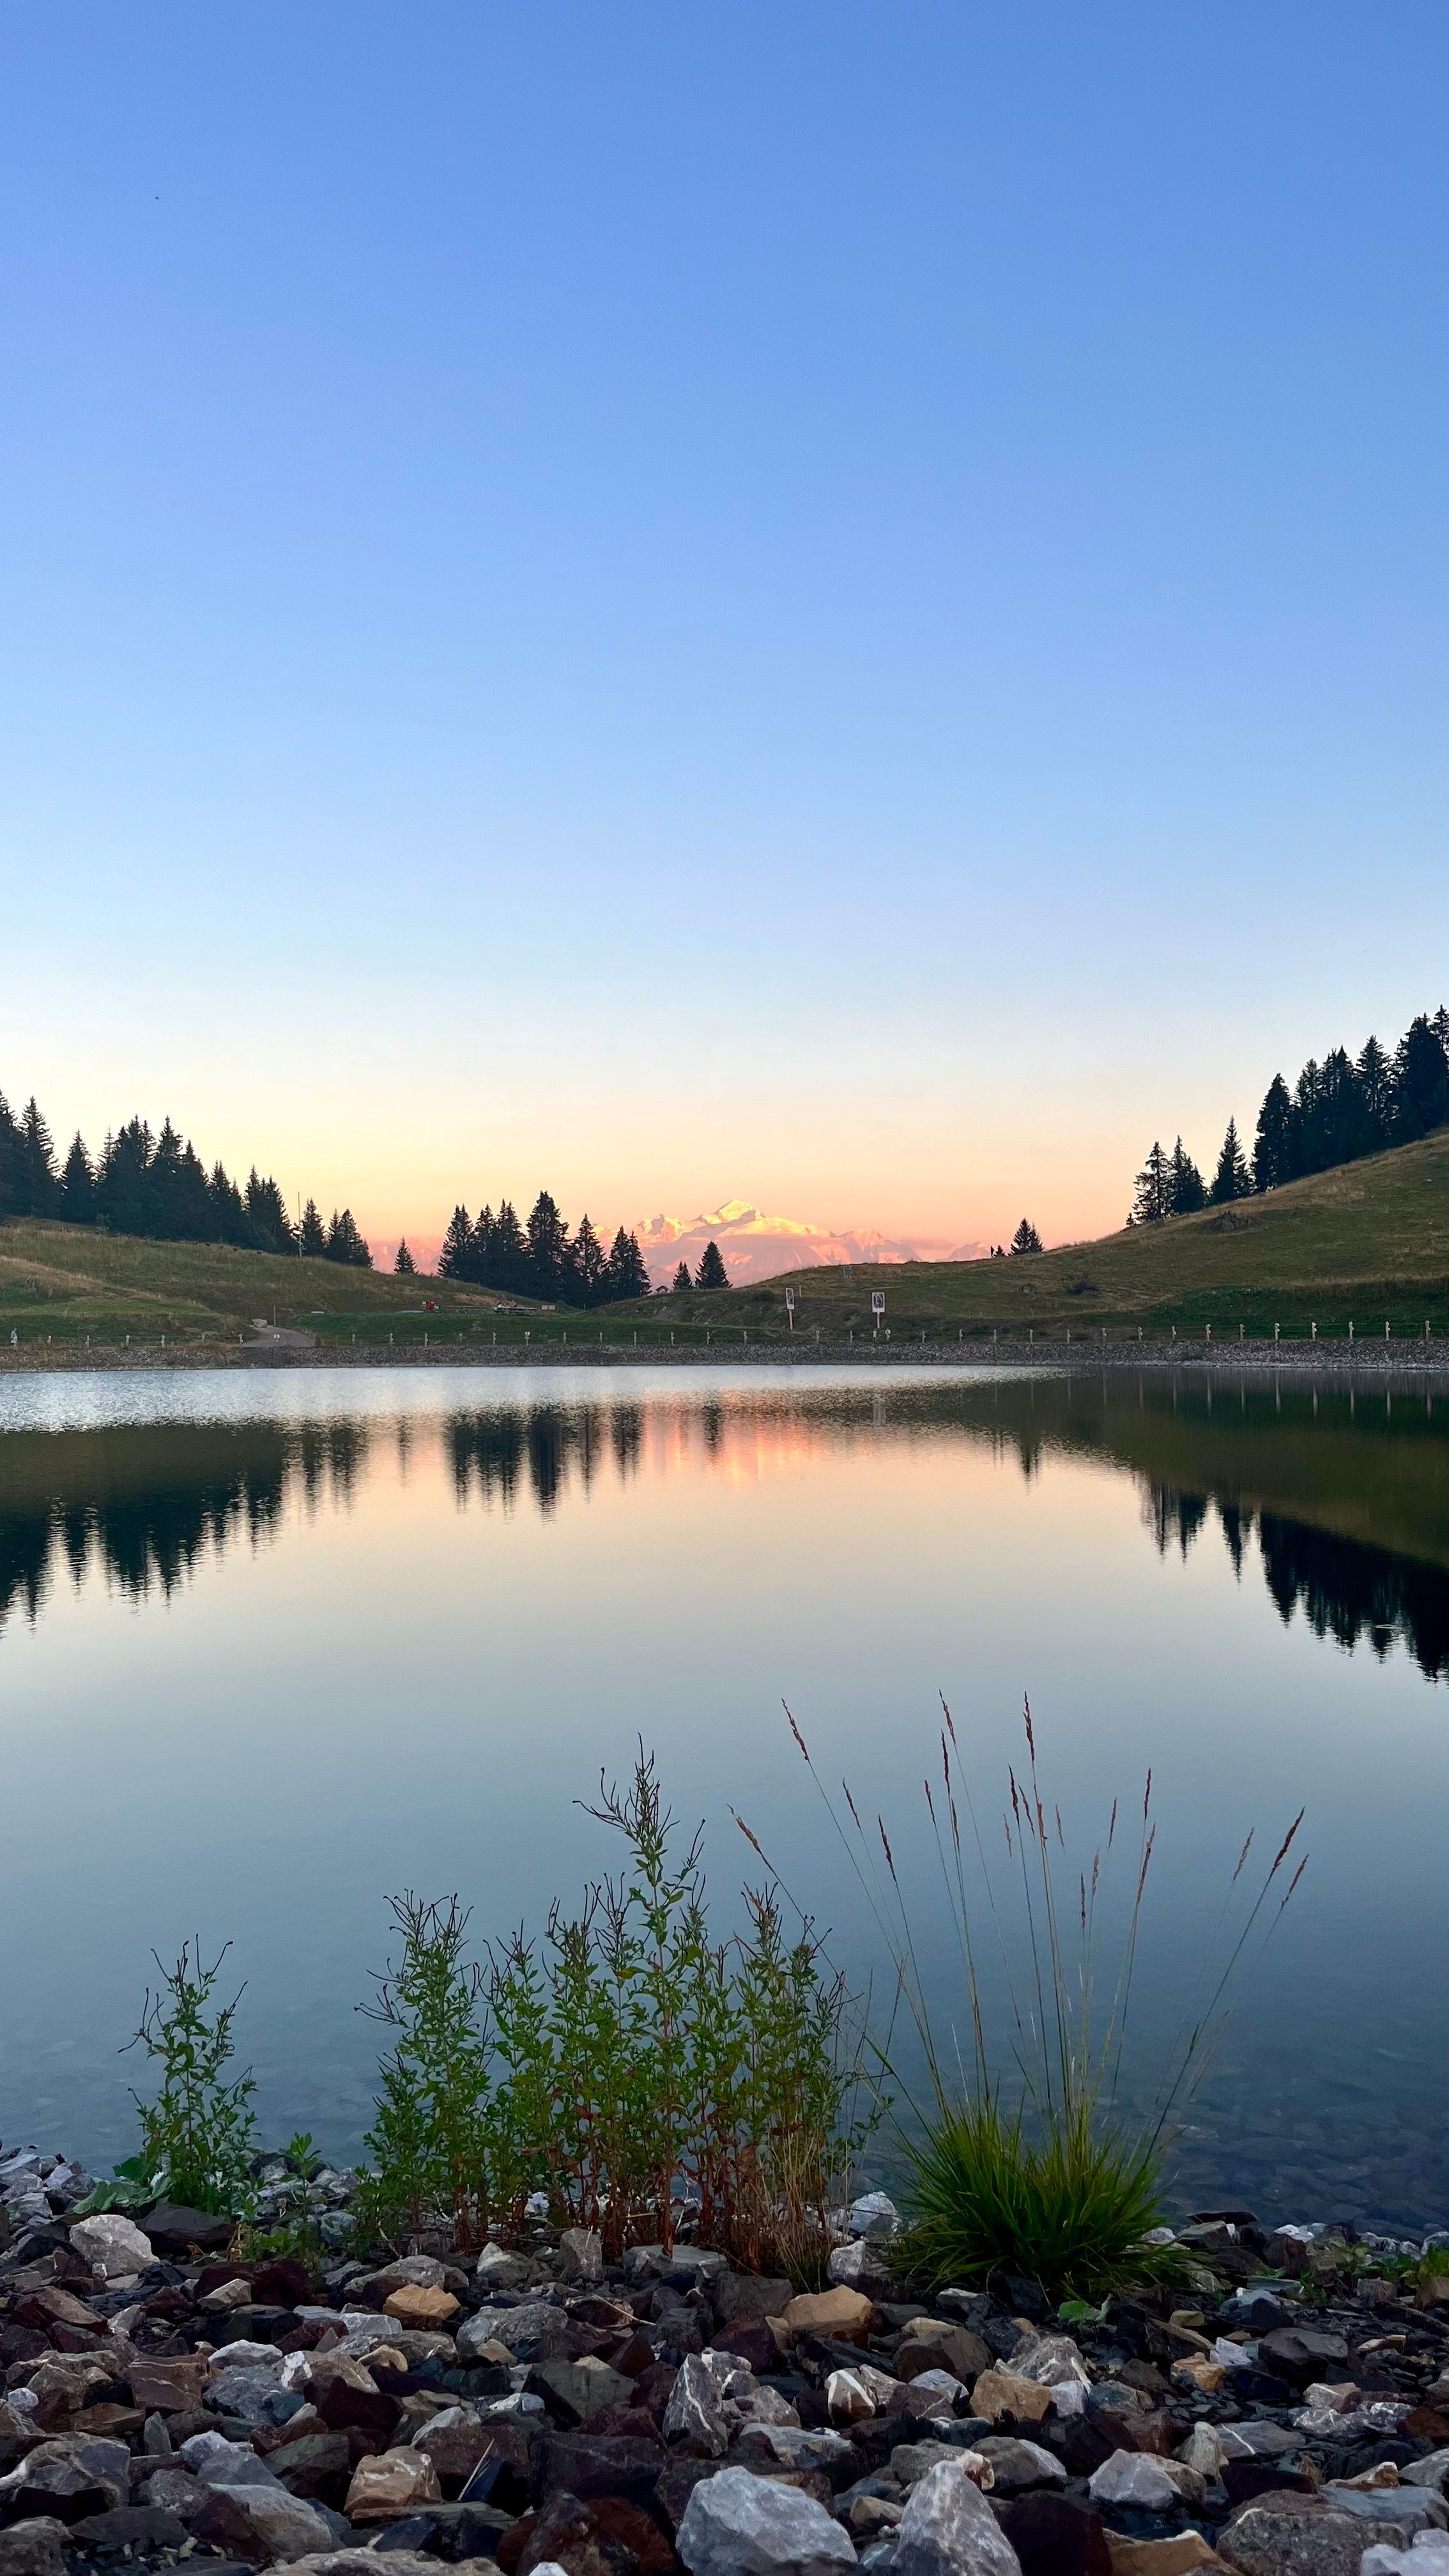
(1367, 1359)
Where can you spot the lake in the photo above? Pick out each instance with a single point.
(272, 1647)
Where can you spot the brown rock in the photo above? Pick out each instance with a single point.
(1179, 2556)
(579, 2465)
(841, 2315)
(931, 2344)
(623, 2525)
(422, 2309)
(456, 2449)
(33, 2548)
(1299, 2535)
(50, 2305)
(385, 2482)
(108, 2423)
(1003, 2398)
(167, 2387)
(1434, 2292)
(563, 2535)
(1428, 2423)
(315, 2465)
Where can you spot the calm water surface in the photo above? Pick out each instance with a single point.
(271, 1647)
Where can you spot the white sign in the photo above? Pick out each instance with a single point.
(877, 1301)
(790, 1299)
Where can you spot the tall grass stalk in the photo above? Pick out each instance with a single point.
(1050, 2177)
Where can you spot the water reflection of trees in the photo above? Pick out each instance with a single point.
(549, 1445)
(141, 1508)
(1347, 1590)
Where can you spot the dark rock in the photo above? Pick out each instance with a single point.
(1245, 2480)
(1085, 2445)
(754, 2344)
(498, 2483)
(1055, 2535)
(623, 2526)
(1026, 2297)
(584, 2467)
(131, 2526)
(674, 2487)
(1301, 2353)
(34, 2548)
(415, 2531)
(341, 2407)
(474, 2530)
(62, 2488)
(564, 2533)
(743, 2298)
(317, 2465)
(174, 2229)
(285, 2284)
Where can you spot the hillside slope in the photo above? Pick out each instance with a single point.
(69, 1281)
(1366, 1241)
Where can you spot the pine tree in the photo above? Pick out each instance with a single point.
(1421, 1083)
(548, 1245)
(311, 1239)
(482, 1251)
(588, 1267)
(1274, 1154)
(627, 1276)
(227, 1213)
(1232, 1179)
(1185, 1192)
(1376, 1096)
(1153, 1200)
(345, 1244)
(404, 1266)
(510, 1252)
(711, 1272)
(1026, 1238)
(269, 1226)
(1440, 1026)
(37, 1189)
(78, 1186)
(123, 1181)
(455, 1261)
(9, 1147)
(681, 1283)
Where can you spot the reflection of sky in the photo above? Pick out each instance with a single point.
(400, 1686)
(691, 604)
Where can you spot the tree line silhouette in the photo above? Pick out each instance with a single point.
(159, 1187)
(542, 1257)
(1337, 1112)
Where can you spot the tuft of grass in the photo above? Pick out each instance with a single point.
(1055, 2184)
(1068, 2209)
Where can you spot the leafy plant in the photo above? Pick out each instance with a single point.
(1053, 2181)
(197, 2137)
(298, 2241)
(429, 2138)
(627, 2057)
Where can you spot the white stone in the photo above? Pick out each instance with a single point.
(1050, 2360)
(113, 2246)
(860, 2265)
(874, 2215)
(1426, 2555)
(1134, 2477)
(949, 2529)
(848, 2399)
(583, 2254)
(263, 2524)
(1069, 2398)
(738, 2525)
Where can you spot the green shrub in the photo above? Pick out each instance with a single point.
(626, 2056)
(198, 2136)
(1068, 2208)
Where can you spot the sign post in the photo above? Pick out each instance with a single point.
(790, 1307)
(877, 1305)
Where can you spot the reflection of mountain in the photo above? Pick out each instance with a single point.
(141, 1506)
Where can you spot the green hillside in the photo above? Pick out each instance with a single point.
(1364, 1243)
(70, 1282)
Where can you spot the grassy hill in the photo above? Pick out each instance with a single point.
(69, 1282)
(1366, 1242)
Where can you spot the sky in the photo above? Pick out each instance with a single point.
(838, 609)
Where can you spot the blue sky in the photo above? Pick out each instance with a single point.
(841, 606)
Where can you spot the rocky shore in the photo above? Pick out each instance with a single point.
(1083, 1356)
(1282, 2409)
